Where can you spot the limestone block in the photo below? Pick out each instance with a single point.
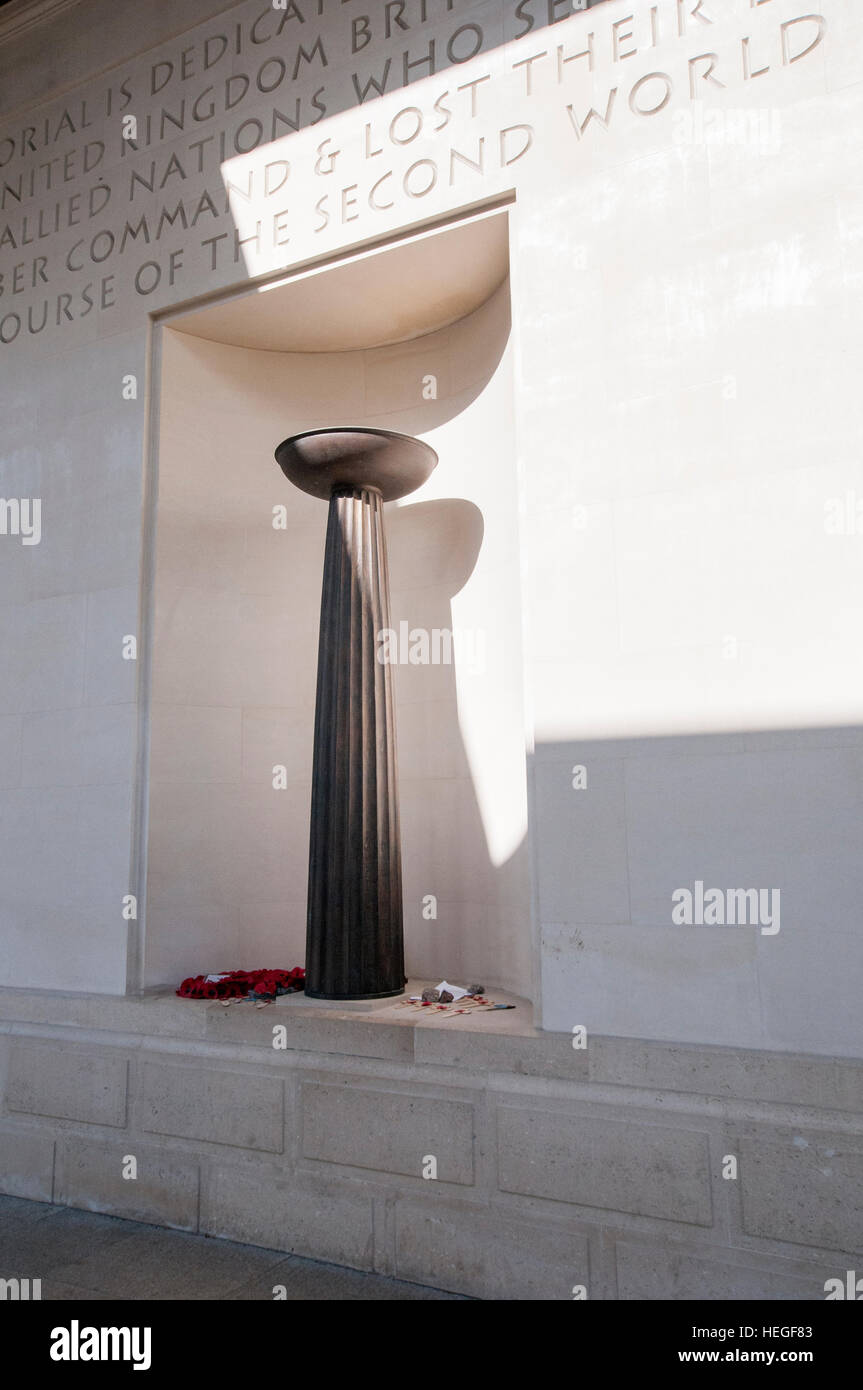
(78, 748)
(776, 1077)
(26, 1162)
(224, 1107)
(581, 843)
(303, 1216)
(546, 1054)
(68, 1083)
(391, 1131)
(803, 1186)
(310, 1031)
(112, 615)
(165, 1016)
(669, 1272)
(197, 744)
(48, 640)
(489, 1255)
(163, 1191)
(11, 743)
(605, 978)
(649, 1170)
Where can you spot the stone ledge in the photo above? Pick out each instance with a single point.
(506, 1042)
(778, 1077)
(526, 1054)
(159, 1014)
(353, 1036)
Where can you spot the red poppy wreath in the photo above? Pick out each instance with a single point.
(243, 984)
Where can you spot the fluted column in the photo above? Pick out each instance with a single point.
(354, 945)
(354, 938)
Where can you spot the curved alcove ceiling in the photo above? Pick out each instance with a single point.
(390, 294)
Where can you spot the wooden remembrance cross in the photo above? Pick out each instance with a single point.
(354, 926)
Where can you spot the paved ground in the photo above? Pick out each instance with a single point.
(81, 1255)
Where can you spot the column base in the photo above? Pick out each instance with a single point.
(344, 998)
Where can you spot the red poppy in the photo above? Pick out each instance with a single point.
(242, 984)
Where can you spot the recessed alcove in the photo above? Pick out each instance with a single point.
(375, 297)
(413, 336)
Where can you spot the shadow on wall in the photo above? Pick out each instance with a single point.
(454, 894)
(235, 652)
(685, 892)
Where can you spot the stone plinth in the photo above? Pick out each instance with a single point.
(556, 1166)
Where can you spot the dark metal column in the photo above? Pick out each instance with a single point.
(354, 935)
(355, 880)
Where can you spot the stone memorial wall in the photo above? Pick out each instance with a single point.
(679, 518)
(633, 798)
